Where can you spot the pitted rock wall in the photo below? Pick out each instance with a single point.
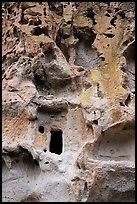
(68, 101)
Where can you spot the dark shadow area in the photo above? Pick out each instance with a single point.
(41, 129)
(56, 142)
(38, 31)
(57, 7)
(129, 54)
(90, 14)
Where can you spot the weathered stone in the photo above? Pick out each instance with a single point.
(68, 101)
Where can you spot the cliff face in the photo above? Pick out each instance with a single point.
(68, 101)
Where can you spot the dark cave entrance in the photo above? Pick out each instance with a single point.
(41, 129)
(56, 142)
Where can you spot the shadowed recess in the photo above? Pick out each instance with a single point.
(56, 142)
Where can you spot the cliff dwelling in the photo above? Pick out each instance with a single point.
(68, 101)
(56, 141)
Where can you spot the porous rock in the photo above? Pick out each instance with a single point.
(68, 104)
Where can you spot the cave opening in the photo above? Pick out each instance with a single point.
(56, 142)
(41, 129)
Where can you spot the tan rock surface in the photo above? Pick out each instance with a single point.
(68, 101)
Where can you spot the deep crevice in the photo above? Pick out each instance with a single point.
(128, 100)
(62, 46)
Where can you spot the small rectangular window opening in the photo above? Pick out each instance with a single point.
(56, 142)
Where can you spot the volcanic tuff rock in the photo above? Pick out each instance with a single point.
(68, 105)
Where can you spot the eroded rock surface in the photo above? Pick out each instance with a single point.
(68, 105)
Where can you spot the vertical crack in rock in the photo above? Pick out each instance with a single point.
(68, 101)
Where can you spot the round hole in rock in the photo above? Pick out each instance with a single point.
(46, 162)
(56, 142)
(95, 122)
(41, 129)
